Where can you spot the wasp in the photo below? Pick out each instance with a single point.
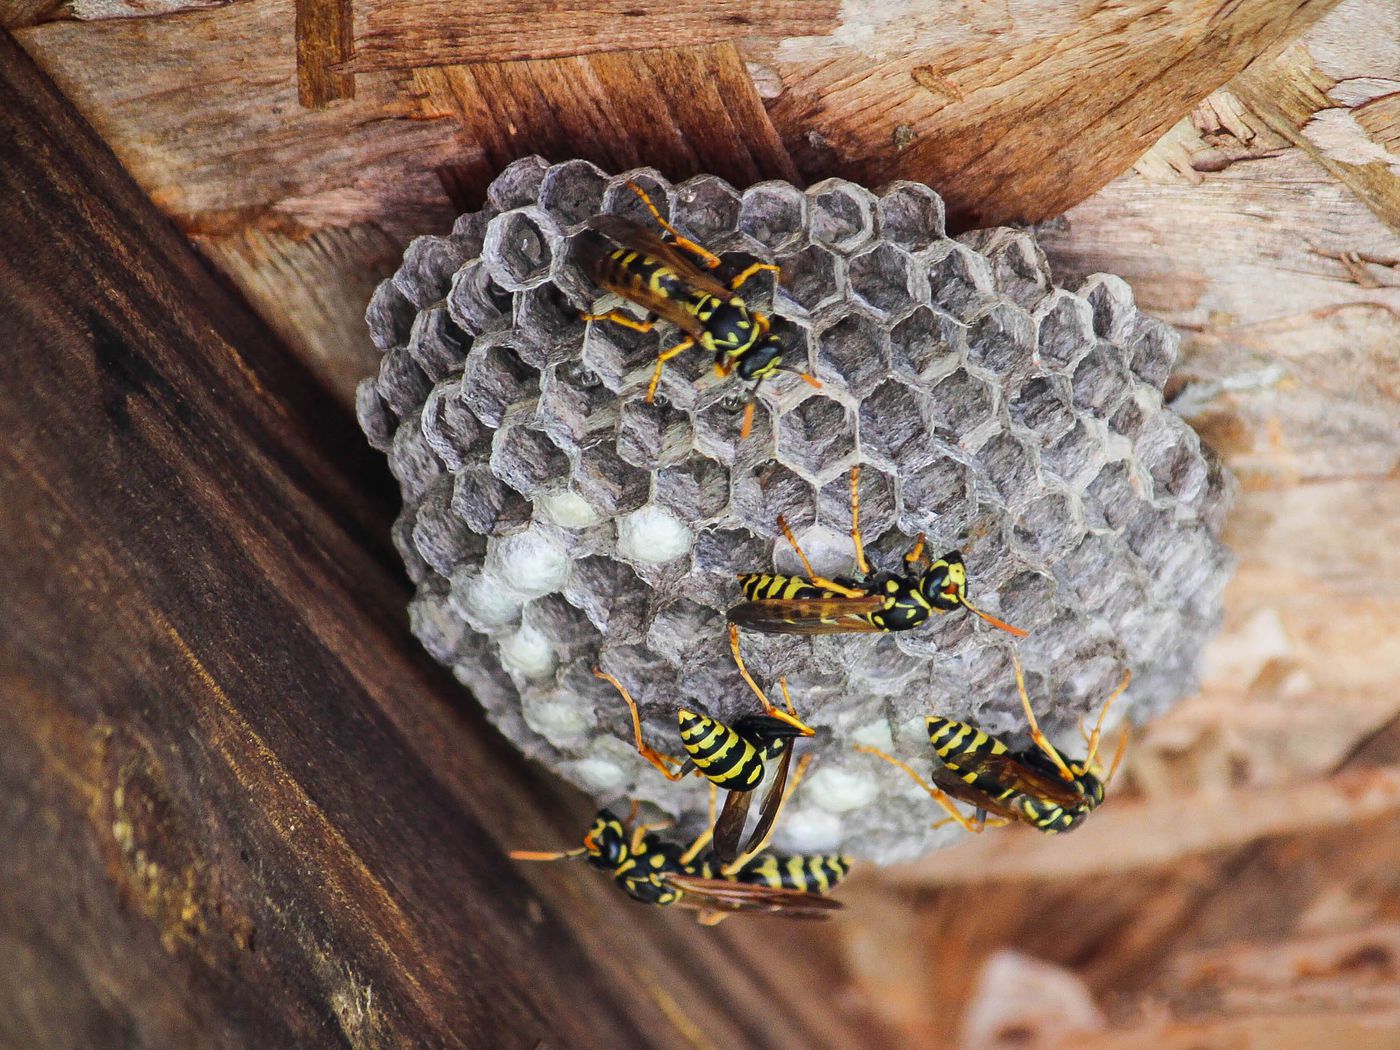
(734, 758)
(1034, 786)
(868, 601)
(651, 271)
(652, 870)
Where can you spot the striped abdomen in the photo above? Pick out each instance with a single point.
(764, 587)
(722, 755)
(814, 874)
(956, 743)
(633, 274)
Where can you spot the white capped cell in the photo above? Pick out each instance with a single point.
(529, 564)
(528, 651)
(652, 535)
(566, 509)
(841, 790)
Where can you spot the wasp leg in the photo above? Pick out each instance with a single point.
(933, 792)
(1041, 741)
(640, 832)
(742, 278)
(862, 566)
(709, 258)
(768, 708)
(661, 359)
(656, 758)
(1097, 734)
(623, 318)
(916, 558)
(812, 577)
(1117, 756)
(705, 837)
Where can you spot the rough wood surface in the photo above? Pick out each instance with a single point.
(241, 809)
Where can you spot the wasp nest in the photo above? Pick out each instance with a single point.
(554, 521)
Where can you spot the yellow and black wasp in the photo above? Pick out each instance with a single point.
(1034, 786)
(653, 871)
(734, 758)
(868, 601)
(652, 272)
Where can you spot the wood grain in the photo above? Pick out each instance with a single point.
(392, 34)
(243, 809)
(682, 110)
(325, 40)
(1047, 103)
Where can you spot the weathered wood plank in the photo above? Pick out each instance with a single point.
(324, 40)
(393, 34)
(242, 808)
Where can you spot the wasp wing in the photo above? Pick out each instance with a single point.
(726, 896)
(834, 615)
(1011, 771)
(592, 255)
(773, 800)
(729, 826)
(952, 784)
(629, 234)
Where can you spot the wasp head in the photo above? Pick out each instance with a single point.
(606, 841)
(762, 359)
(944, 583)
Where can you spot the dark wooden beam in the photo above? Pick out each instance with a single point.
(240, 807)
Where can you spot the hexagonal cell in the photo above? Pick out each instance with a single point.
(571, 395)
(469, 231)
(877, 503)
(1101, 380)
(1011, 464)
(518, 184)
(816, 435)
(682, 629)
(411, 460)
(448, 426)
(1076, 457)
(401, 383)
(1003, 341)
(401, 535)
(1094, 569)
(892, 421)
(885, 280)
(1019, 267)
(612, 596)
(757, 498)
(428, 265)
(730, 551)
(573, 191)
(548, 320)
(938, 500)
(476, 303)
(717, 427)
(1065, 330)
(1043, 405)
(843, 214)
(373, 415)
(442, 538)
(1117, 491)
(650, 435)
(526, 459)
(389, 315)
(521, 246)
(437, 345)
(1153, 348)
(1151, 533)
(774, 214)
(481, 600)
(707, 208)
(486, 503)
(1189, 565)
(910, 214)
(1112, 302)
(567, 627)
(925, 345)
(1173, 456)
(963, 406)
(1028, 599)
(853, 350)
(694, 489)
(530, 563)
(620, 199)
(812, 280)
(1138, 413)
(434, 623)
(497, 377)
(1049, 526)
(614, 352)
(959, 280)
(610, 485)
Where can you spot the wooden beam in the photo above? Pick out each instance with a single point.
(242, 807)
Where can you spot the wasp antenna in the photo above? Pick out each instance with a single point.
(994, 621)
(530, 854)
(1118, 755)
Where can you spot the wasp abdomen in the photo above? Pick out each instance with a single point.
(722, 755)
(814, 874)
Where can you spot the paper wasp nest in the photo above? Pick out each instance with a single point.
(553, 520)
